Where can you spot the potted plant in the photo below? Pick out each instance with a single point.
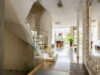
(71, 40)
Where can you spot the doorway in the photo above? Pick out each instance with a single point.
(61, 37)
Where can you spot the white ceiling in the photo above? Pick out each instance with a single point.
(66, 15)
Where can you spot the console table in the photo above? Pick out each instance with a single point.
(59, 44)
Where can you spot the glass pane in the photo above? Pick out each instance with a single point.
(38, 51)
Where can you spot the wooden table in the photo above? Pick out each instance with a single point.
(59, 44)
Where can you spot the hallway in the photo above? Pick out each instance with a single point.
(50, 37)
(66, 64)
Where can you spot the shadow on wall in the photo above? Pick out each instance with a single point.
(17, 53)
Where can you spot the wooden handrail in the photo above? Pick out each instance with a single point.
(34, 70)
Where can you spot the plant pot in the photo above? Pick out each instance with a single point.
(71, 44)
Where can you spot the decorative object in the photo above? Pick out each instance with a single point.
(97, 47)
(59, 44)
(71, 40)
(93, 63)
(60, 34)
(50, 55)
(60, 4)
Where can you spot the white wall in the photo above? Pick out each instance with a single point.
(16, 12)
(21, 7)
(16, 31)
(14, 51)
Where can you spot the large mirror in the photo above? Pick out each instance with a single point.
(95, 27)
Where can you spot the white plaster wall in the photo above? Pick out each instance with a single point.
(29, 56)
(22, 7)
(31, 20)
(16, 12)
(14, 51)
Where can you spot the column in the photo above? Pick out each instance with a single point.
(99, 30)
(86, 29)
(72, 32)
(90, 14)
(78, 11)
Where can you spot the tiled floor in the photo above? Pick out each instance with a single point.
(77, 69)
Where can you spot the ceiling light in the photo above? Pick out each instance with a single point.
(60, 4)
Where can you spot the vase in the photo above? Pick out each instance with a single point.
(71, 44)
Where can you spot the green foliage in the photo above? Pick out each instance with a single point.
(71, 40)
